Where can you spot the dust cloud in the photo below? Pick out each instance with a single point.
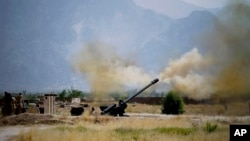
(232, 50)
(106, 71)
(224, 69)
(187, 75)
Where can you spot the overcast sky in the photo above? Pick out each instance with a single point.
(179, 8)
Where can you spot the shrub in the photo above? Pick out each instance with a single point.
(209, 128)
(172, 104)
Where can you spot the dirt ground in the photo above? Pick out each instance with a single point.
(31, 119)
(12, 125)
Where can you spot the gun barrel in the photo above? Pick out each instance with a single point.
(143, 89)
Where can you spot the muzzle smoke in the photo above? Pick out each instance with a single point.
(106, 70)
(187, 75)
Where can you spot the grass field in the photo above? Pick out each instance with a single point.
(129, 129)
(199, 123)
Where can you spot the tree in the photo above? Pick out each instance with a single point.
(70, 93)
(172, 104)
(63, 95)
(31, 97)
(73, 93)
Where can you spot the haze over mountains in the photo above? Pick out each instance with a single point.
(38, 39)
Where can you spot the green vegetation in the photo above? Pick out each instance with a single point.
(70, 93)
(30, 97)
(136, 134)
(130, 133)
(71, 129)
(74, 93)
(160, 130)
(209, 127)
(175, 130)
(172, 104)
(62, 95)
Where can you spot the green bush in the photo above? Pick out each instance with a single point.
(172, 104)
(209, 128)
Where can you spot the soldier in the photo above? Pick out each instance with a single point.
(3, 106)
(92, 111)
(7, 104)
(19, 104)
(121, 108)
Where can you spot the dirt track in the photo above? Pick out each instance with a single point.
(12, 125)
(7, 132)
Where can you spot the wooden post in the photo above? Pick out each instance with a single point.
(49, 103)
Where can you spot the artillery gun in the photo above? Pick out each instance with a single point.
(115, 110)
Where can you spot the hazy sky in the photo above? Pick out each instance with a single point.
(208, 3)
(179, 8)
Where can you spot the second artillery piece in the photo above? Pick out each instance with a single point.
(115, 110)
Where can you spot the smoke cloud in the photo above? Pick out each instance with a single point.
(187, 75)
(106, 70)
(224, 69)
